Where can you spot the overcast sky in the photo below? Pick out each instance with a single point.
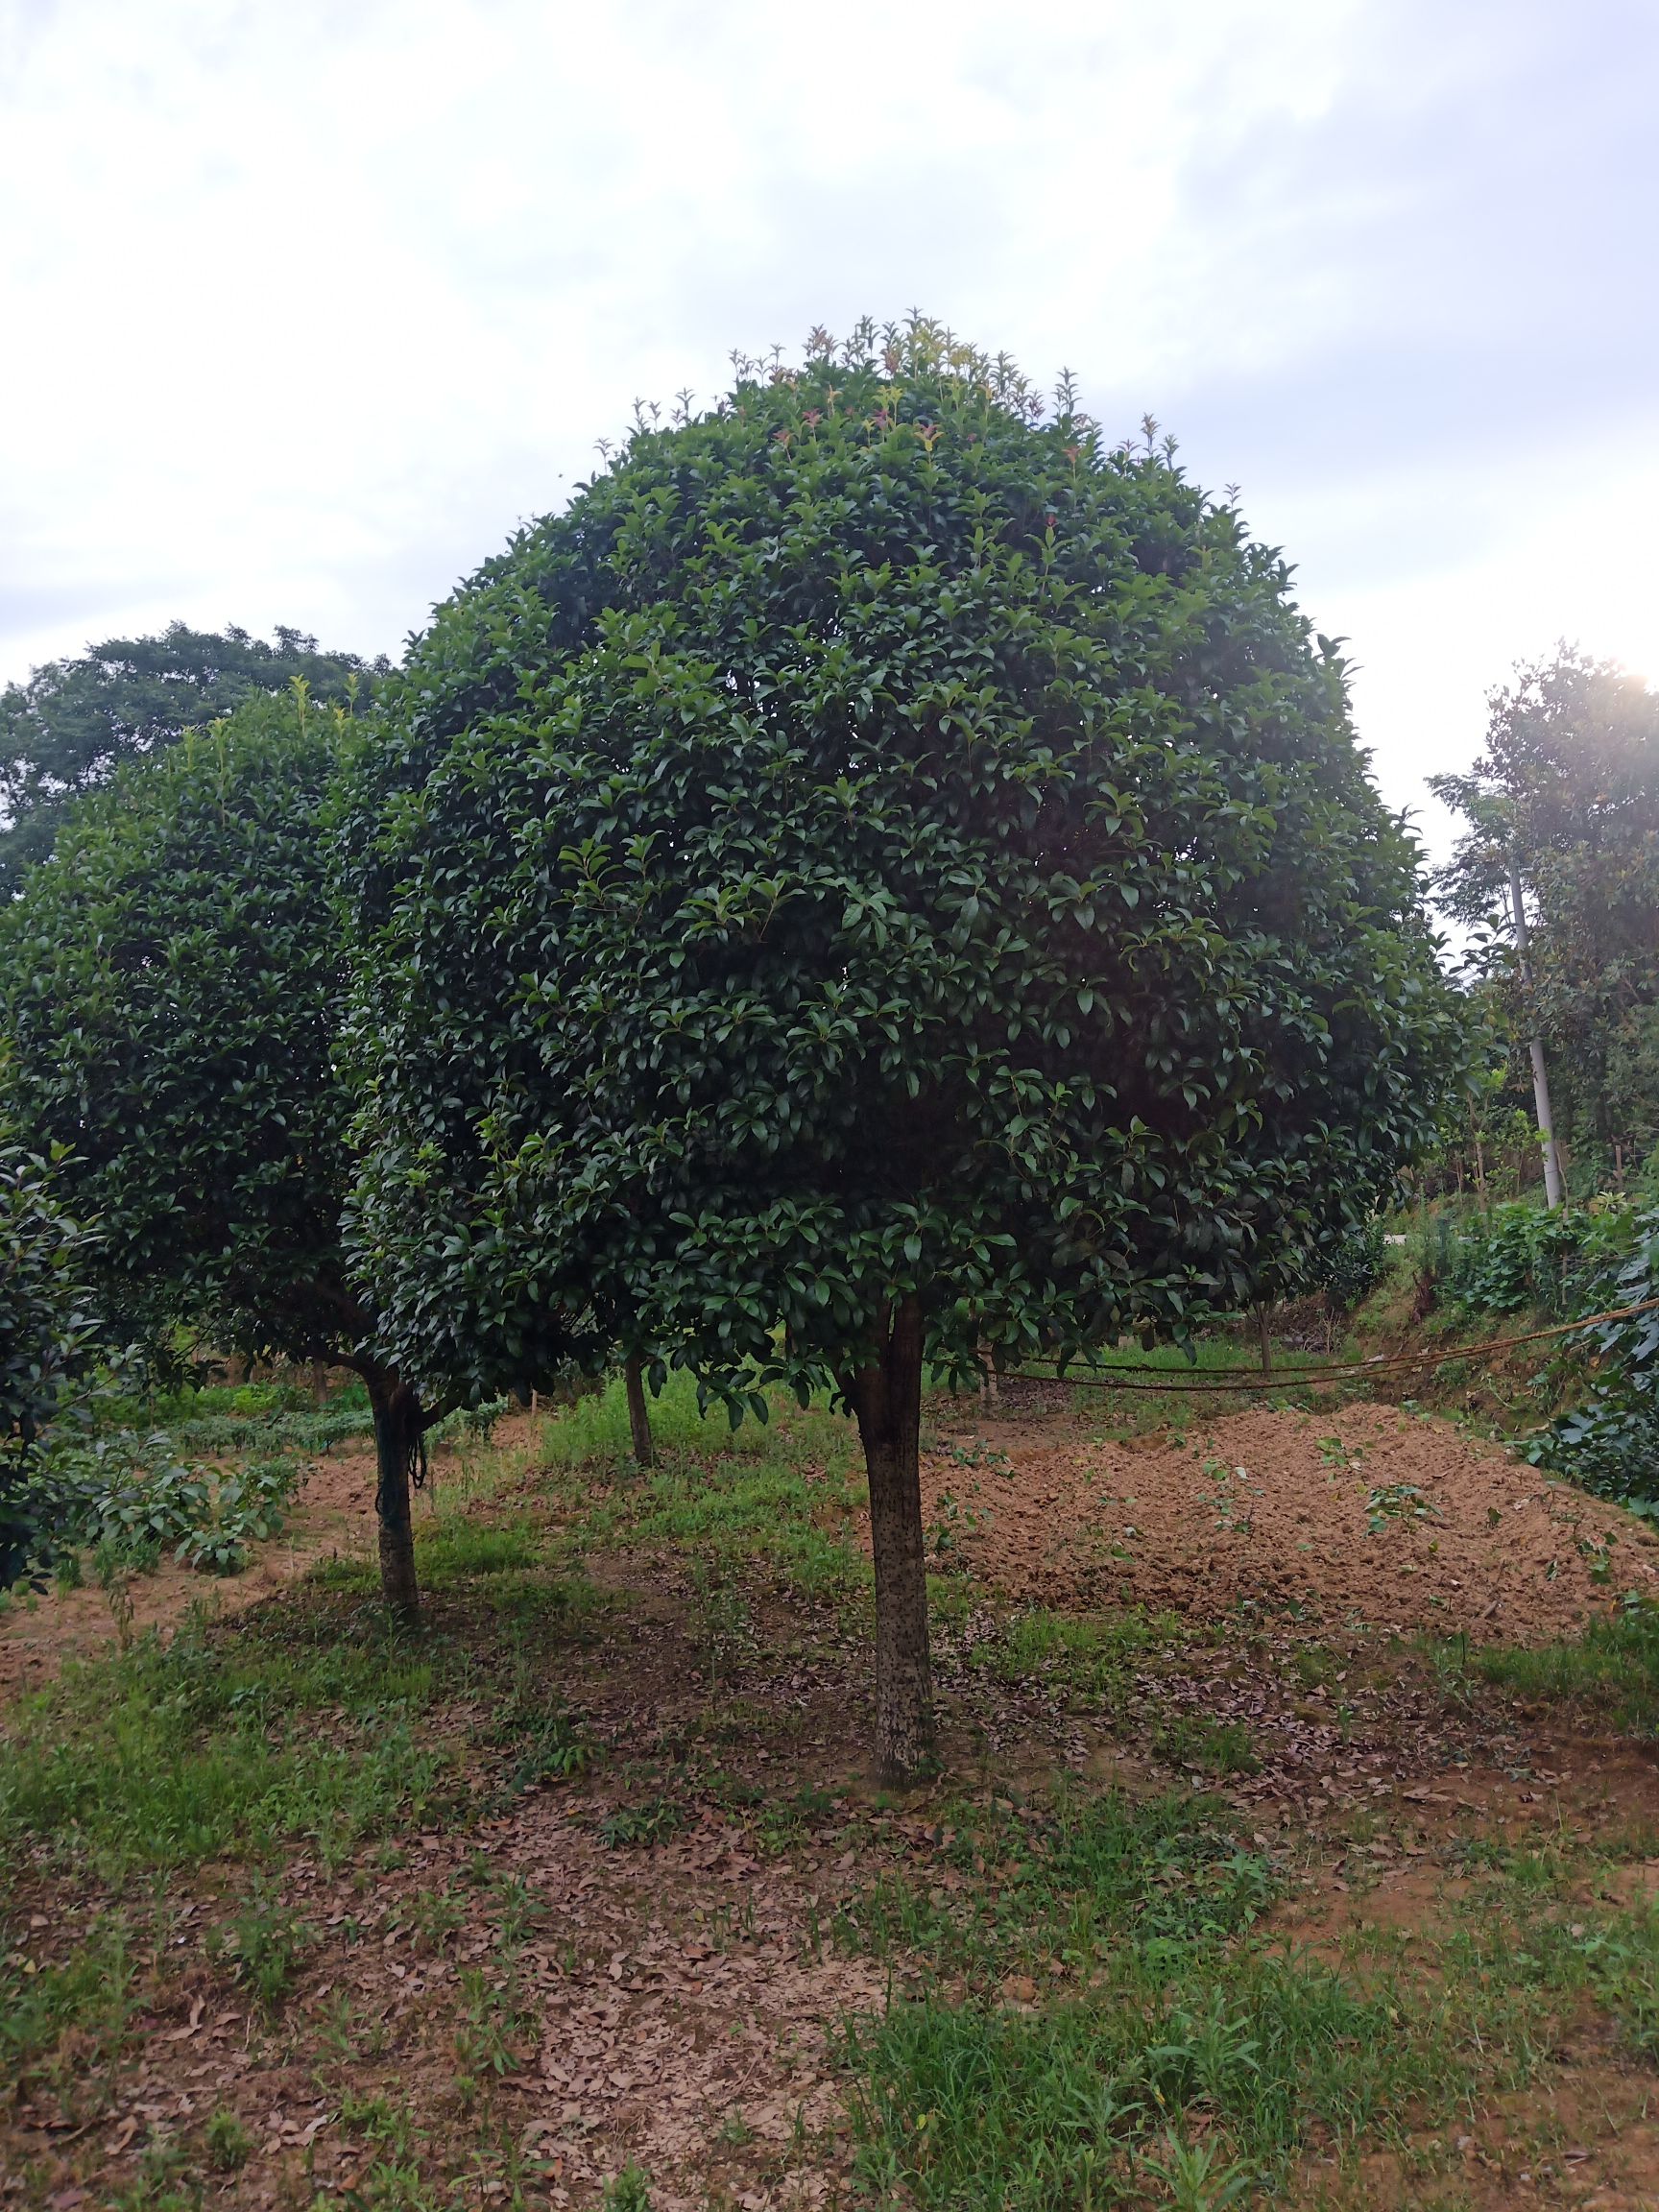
(305, 302)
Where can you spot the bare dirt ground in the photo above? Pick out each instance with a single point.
(1356, 1516)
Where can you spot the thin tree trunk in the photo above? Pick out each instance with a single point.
(1535, 1046)
(989, 1385)
(397, 1430)
(639, 1413)
(1264, 1337)
(886, 1398)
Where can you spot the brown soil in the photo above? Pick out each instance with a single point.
(1248, 1513)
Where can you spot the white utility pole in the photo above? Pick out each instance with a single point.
(1535, 1045)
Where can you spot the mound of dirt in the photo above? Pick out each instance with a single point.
(1365, 1515)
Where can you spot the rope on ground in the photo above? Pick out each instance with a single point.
(1301, 1376)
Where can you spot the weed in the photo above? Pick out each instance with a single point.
(1196, 2177)
(629, 2190)
(380, 2121)
(720, 1620)
(267, 1941)
(1338, 1455)
(518, 1910)
(980, 1455)
(1212, 1747)
(495, 2023)
(436, 1917)
(1598, 1556)
(549, 1746)
(91, 1992)
(1615, 1664)
(164, 1755)
(229, 2146)
(1620, 1955)
(1090, 1655)
(1391, 1502)
(1233, 1489)
(113, 1573)
(459, 1547)
(652, 1822)
(951, 1524)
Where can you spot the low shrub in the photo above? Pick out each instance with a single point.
(131, 1498)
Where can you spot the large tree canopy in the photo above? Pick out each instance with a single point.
(171, 986)
(1567, 792)
(71, 724)
(880, 873)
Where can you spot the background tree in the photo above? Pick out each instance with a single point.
(47, 1334)
(1567, 791)
(74, 722)
(880, 873)
(171, 984)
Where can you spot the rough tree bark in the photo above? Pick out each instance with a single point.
(886, 1398)
(1264, 1338)
(638, 1414)
(397, 1430)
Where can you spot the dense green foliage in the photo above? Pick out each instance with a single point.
(1571, 1264)
(74, 722)
(1611, 1442)
(170, 984)
(1519, 1258)
(129, 1498)
(876, 841)
(1568, 785)
(46, 1334)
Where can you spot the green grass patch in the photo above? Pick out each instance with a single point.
(1214, 2070)
(205, 1747)
(1101, 2016)
(1033, 1888)
(455, 1548)
(779, 1495)
(1614, 1665)
(594, 1431)
(1090, 1654)
(92, 1990)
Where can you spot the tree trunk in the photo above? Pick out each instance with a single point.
(1535, 1046)
(397, 1430)
(638, 1415)
(886, 1398)
(1264, 1337)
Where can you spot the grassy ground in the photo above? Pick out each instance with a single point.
(582, 1896)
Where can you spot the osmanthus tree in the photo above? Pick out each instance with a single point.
(47, 1334)
(882, 873)
(171, 986)
(72, 724)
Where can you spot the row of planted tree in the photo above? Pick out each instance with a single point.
(883, 873)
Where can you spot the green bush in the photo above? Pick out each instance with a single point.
(1355, 1267)
(1610, 1443)
(131, 1498)
(1521, 1256)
